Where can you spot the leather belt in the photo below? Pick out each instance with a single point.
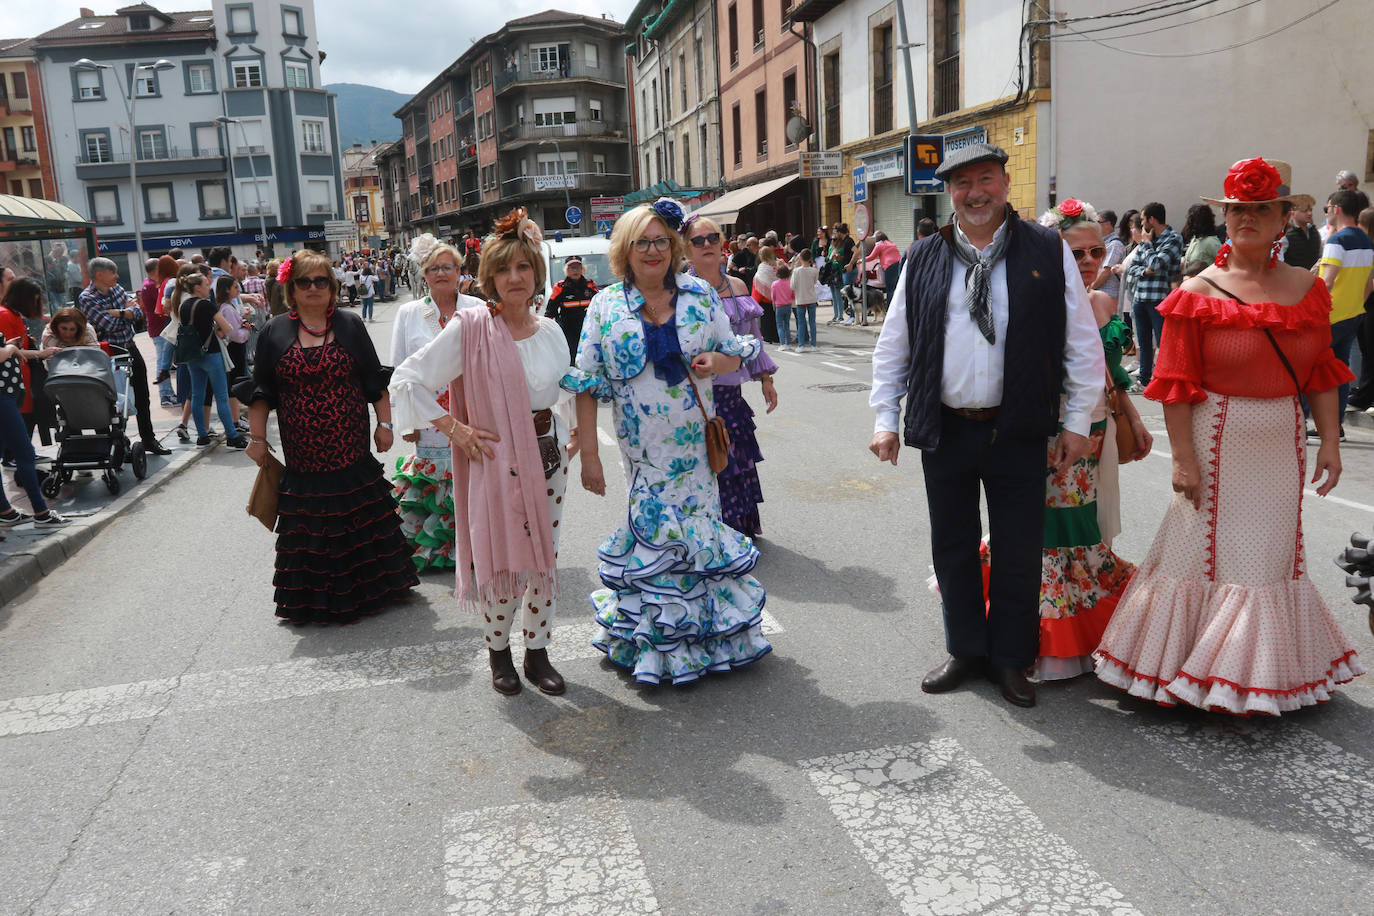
(543, 421)
(977, 414)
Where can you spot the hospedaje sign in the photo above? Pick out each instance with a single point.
(168, 242)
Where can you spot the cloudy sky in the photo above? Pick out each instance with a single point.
(396, 45)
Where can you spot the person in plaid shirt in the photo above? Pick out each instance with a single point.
(1158, 260)
(112, 312)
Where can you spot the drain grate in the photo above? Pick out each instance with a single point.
(841, 387)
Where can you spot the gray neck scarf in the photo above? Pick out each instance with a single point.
(978, 277)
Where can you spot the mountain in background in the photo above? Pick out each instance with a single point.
(365, 113)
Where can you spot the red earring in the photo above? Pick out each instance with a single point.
(1274, 253)
(1223, 255)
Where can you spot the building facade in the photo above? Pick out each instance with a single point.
(531, 115)
(26, 163)
(866, 104)
(674, 90)
(394, 192)
(363, 201)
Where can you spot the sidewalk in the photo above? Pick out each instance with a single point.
(28, 554)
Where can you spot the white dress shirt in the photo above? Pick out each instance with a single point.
(416, 324)
(972, 372)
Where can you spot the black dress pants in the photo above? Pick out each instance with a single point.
(138, 381)
(1004, 628)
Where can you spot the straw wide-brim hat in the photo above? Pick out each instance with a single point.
(1285, 191)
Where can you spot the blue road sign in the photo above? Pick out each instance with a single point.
(923, 156)
(603, 225)
(573, 215)
(860, 185)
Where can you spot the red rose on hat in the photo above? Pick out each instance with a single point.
(1071, 207)
(1252, 179)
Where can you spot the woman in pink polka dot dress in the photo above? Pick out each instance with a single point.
(1221, 614)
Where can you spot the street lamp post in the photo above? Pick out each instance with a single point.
(252, 170)
(130, 106)
(563, 170)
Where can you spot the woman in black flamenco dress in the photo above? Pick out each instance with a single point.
(340, 551)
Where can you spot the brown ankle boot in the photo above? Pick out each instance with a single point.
(542, 674)
(504, 680)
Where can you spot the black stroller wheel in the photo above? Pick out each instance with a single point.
(51, 486)
(138, 460)
(121, 449)
(111, 482)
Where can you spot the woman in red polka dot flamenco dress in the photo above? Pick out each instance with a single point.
(1221, 614)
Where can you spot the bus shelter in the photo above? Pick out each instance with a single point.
(49, 243)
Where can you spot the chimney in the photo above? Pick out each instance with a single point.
(86, 13)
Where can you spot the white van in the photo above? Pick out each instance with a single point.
(596, 260)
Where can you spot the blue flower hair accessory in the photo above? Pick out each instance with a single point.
(669, 212)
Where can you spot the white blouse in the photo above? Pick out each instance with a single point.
(417, 323)
(544, 356)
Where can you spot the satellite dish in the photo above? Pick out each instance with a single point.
(797, 129)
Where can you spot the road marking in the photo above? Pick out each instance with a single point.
(1338, 500)
(1301, 781)
(837, 366)
(293, 679)
(947, 837)
(577, 856)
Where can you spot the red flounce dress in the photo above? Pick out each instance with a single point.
(1221, 614)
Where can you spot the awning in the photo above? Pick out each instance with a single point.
(725, 208)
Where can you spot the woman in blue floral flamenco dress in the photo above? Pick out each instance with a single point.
(679, 600)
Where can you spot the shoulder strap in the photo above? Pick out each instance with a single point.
(697, 394)
(1272, 342)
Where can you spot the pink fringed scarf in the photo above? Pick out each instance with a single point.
(501, 513)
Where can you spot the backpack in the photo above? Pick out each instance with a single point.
(188, 345)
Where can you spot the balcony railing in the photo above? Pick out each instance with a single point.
(255, 209)
(946, 86)
(9, 106)
(566, 70)
(611, 130)
(463, 106)
(171, 152)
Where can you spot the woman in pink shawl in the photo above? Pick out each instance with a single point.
(503, 365)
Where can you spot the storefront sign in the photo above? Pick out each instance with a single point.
(967, 137)
(168, 242)
(820, 165)
(881, 168)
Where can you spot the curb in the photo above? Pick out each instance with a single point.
(22, 570)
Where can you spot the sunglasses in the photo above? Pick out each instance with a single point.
(662, 243)
(1096, 251)
(304, 283)
(701, 241)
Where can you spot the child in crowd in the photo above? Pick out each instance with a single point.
(783, 297)
(805, 282)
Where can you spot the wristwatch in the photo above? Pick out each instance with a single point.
(384, 425)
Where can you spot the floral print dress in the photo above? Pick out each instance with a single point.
(679, 600)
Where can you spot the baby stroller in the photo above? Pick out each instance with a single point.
(88, 388)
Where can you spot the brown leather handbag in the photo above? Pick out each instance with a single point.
(717, 435)
(262, 500)
(1125, 436)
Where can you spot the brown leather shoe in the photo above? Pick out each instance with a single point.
(504, 680)
(542, 674)
(1016, 690)
(951, 674)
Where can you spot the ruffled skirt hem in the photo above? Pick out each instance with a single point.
(423, 489)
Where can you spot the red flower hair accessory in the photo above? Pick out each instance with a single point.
(284, 271)
(1252, 180)
(1071, 207)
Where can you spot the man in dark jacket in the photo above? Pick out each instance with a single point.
(989, 324)
(568, 302)
(1304, 246)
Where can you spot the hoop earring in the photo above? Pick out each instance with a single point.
(1223, 255)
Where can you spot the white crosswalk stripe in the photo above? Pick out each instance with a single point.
(1284, 768)
(947, 837)
(574, 857)
(301, 677)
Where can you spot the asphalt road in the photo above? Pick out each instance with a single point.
(167, 747)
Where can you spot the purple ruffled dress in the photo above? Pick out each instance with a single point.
(740, 493)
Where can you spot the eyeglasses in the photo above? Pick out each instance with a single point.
(662, 243)
(701, 241)
(1096, 251)
(440, 269)
(304, 283)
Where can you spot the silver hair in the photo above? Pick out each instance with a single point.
(98, 264)
(1346, 175)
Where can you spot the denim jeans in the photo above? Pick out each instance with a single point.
(209, 370)
(367, 306)
(1147, 317)
(165, 349)
(806, 324)
(837, 301)
(15, 442)
(1343, 336)
(784, 317)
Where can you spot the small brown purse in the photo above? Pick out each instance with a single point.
(1125, 436)
(717, 434)
(262, 500)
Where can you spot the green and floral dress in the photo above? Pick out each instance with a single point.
(679, 600)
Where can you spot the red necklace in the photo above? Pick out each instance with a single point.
(328, 321)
